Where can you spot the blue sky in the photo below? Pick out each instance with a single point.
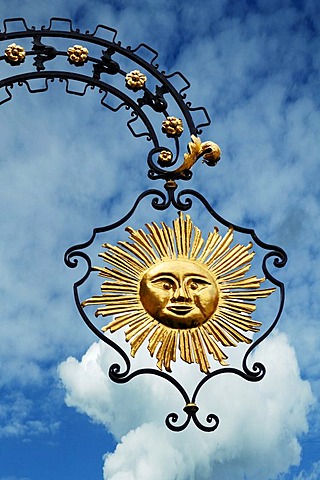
(67, 166)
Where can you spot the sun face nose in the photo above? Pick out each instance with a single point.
(181, 293)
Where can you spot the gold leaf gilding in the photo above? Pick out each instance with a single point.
(176, 291)
(135, 80)
(172, 127)
(15, 53)
(78, 54)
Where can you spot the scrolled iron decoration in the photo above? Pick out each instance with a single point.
(167, 285)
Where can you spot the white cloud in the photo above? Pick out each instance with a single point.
(17, 418)
(257, 421)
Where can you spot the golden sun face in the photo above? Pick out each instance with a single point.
(179, 293)
(175, 290)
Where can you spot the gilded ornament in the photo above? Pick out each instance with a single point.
(135, 80)
(177, 291)
(15, 53)
(210, 152)
(165, 157)
(172, 127)
(78, 54)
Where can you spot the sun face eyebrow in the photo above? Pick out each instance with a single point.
(187, 277)
(196, 276)
(162, 276)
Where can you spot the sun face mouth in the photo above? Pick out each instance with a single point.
(180, 309)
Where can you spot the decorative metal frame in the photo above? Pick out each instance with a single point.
(136, 101)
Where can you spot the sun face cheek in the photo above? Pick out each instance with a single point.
(154, 298)
(206, 300)
(158, 298)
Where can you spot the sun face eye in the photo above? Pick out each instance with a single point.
(198, 284)
(163, 283)
(167, 285)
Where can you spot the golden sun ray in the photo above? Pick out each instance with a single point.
(175, 290)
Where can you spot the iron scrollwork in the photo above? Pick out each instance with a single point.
(211, 266)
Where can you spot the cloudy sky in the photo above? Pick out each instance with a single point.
(69, 165)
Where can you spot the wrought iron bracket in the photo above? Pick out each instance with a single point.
(94, 59)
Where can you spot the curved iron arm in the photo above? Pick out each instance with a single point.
(112, 48)
(45, 53)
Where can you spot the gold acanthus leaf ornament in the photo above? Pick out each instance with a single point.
(209, 151)
(173, 289)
